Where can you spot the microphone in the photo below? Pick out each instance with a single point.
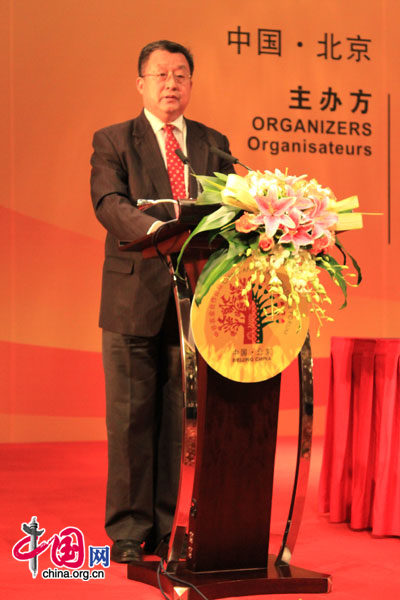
(228, 157)
(182, 157)
(185, 161)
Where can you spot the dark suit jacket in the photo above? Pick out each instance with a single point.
(127, 165)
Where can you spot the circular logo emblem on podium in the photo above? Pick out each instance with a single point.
(247, 338)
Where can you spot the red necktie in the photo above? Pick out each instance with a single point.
(175, 166)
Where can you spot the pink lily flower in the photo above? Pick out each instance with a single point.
(273, 211)
(302, 202)
(298, 236)
(323, 219)
(300, 218)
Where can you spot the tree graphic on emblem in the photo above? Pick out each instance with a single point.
(253, 315)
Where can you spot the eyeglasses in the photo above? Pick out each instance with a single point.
(179, 77)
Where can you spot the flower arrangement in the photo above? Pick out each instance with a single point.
(284, 225)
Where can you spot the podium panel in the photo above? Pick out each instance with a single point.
(220, 536)
(232, 491)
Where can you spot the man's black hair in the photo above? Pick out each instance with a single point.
(173, 47)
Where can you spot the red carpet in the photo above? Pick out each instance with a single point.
(63, 484)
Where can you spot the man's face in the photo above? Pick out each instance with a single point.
(167, 99)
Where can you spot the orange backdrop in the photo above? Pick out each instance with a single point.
(305, 85)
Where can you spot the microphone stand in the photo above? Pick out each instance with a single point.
(228, 157)
(185, 161)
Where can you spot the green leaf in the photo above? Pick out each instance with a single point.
(221, 176)
(211, 183)
(212, 187)
(209, 197)
(232, 236)
(353, 260)
(240, 241)
(334, 269)
(215, 220)
(219, 263)
(254, 241)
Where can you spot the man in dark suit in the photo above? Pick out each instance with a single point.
(141, 354)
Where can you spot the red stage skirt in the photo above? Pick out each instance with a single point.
(360, 477)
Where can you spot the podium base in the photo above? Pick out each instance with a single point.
(286, 579)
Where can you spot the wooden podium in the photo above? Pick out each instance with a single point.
(224, 500)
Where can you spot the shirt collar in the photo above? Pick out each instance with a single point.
(157, 124)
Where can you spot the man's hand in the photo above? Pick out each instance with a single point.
(154, 226)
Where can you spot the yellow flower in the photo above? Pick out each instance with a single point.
(237, 193)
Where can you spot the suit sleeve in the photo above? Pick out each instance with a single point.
(226, 166)
(110, 192)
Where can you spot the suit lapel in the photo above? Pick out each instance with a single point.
(197, 152)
